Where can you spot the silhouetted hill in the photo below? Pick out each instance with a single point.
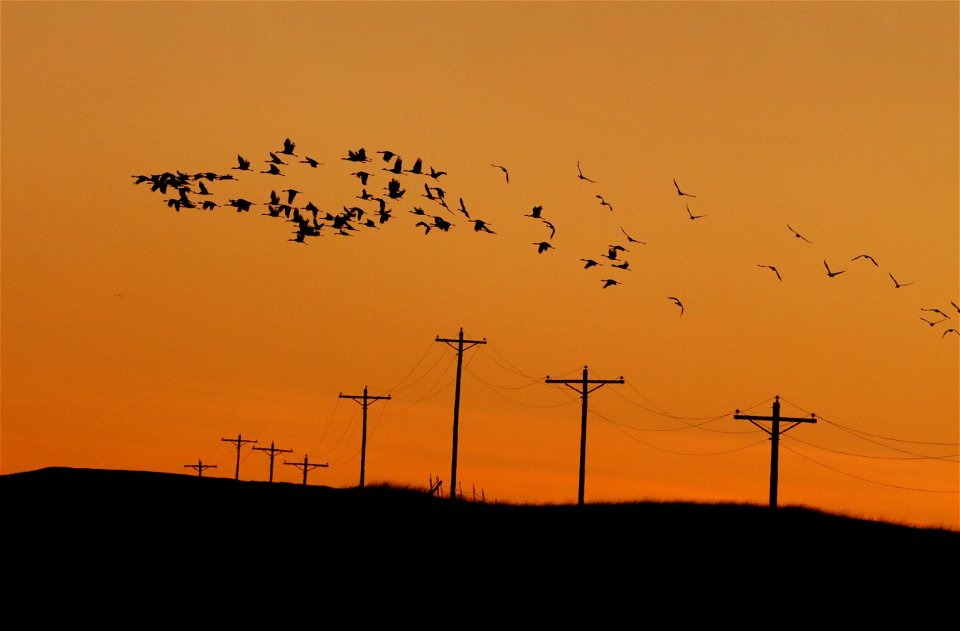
(141, 524)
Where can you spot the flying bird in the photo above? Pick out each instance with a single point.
(775, 271)
(865, 256)
(631, 239)
(553, 230)
(504, 169)
(580, 174)
(436, 174)
(397, 166)
(798, 235)
(313, 163)
(417, 167)
(609, 282)
(274, 159)
(242, 164)
(679, 192)
(288, 146)
(678, 303)
(897, 284)
(624, 266)
(273, 170)
(543, 246)
(950, 331)
(463, 209)
(363, 176)
(588, 263)
(935, 310)
(479, 224)
(535, 213)
(360, 155)
(291, 193)
(387, 155)
(604, 202)
(692, 216)
(955, 306)
(931, 322)
(830, 273)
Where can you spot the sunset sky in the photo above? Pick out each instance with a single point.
(137, 337)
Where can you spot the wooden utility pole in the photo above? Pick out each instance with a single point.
(460, 342)
(200, 467)
(583, 387)
(305, 466)
(239, 440)
(775, 432)
(273, 452)
(364, 400)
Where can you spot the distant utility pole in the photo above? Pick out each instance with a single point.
(200, 467)
(460, 342)
(365, 401)
(305, 466)
(273, 452)
(586, 386)
(775, 432)
(239, 440)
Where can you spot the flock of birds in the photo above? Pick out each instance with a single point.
(437, 213)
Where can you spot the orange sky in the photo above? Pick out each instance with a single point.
(136, 337)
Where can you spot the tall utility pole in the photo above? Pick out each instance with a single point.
(200, 467)
(239, 440)
(460, 347)
(583, 387)
(273, 452)
(305, 466)
(775, 432)
(363, 400)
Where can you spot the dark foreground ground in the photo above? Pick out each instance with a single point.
(122, 531)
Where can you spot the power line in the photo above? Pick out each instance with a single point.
(620, 427)
(894, 486)
(871, 457)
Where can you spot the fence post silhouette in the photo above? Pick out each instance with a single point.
(365, 401)
(583, 390)
(305, 466)
(273, 451)
(775, 433)
(240, 441)
(460, 342)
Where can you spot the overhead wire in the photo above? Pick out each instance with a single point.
(910, 456)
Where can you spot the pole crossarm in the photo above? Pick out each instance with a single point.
(775, 431)
(586, 386)
(306, 466)
(459, 344)
(364, 400)
(200, 467)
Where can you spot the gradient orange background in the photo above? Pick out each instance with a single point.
(135, 337)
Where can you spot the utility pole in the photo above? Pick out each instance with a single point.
(774, 432)
(363, 400)
(273, 452)
(586, 386)
(200, 467)
(239, 440)
(460, 342)
(305, 466)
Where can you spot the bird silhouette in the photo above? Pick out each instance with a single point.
(775, 271)
(436, 174)
(397, 166)
(679, 192)
(955, 306)
(865, 256)
(604, 202)
(417, 167)
(291, 193)
(273, 170)
(678, 303)
(242, 164)
(580, 174)
(931, 322)
(543, 246)
(360, 155)
(535, 213)
(288, 146)
(463, 209)
(505, 172)
(631, 239)
(935, 310)
(313, 163)
(609, 282)
(588, 263)
(393, 189)
(363, 176)
(387, 155)
(241, 204)
(830, 273)
(624, 265)
(203, 189)
(553, 230)
(481, 225)
(897, 284)
(950, 331)
(692, 216)
(274, 159)
(798, 235)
